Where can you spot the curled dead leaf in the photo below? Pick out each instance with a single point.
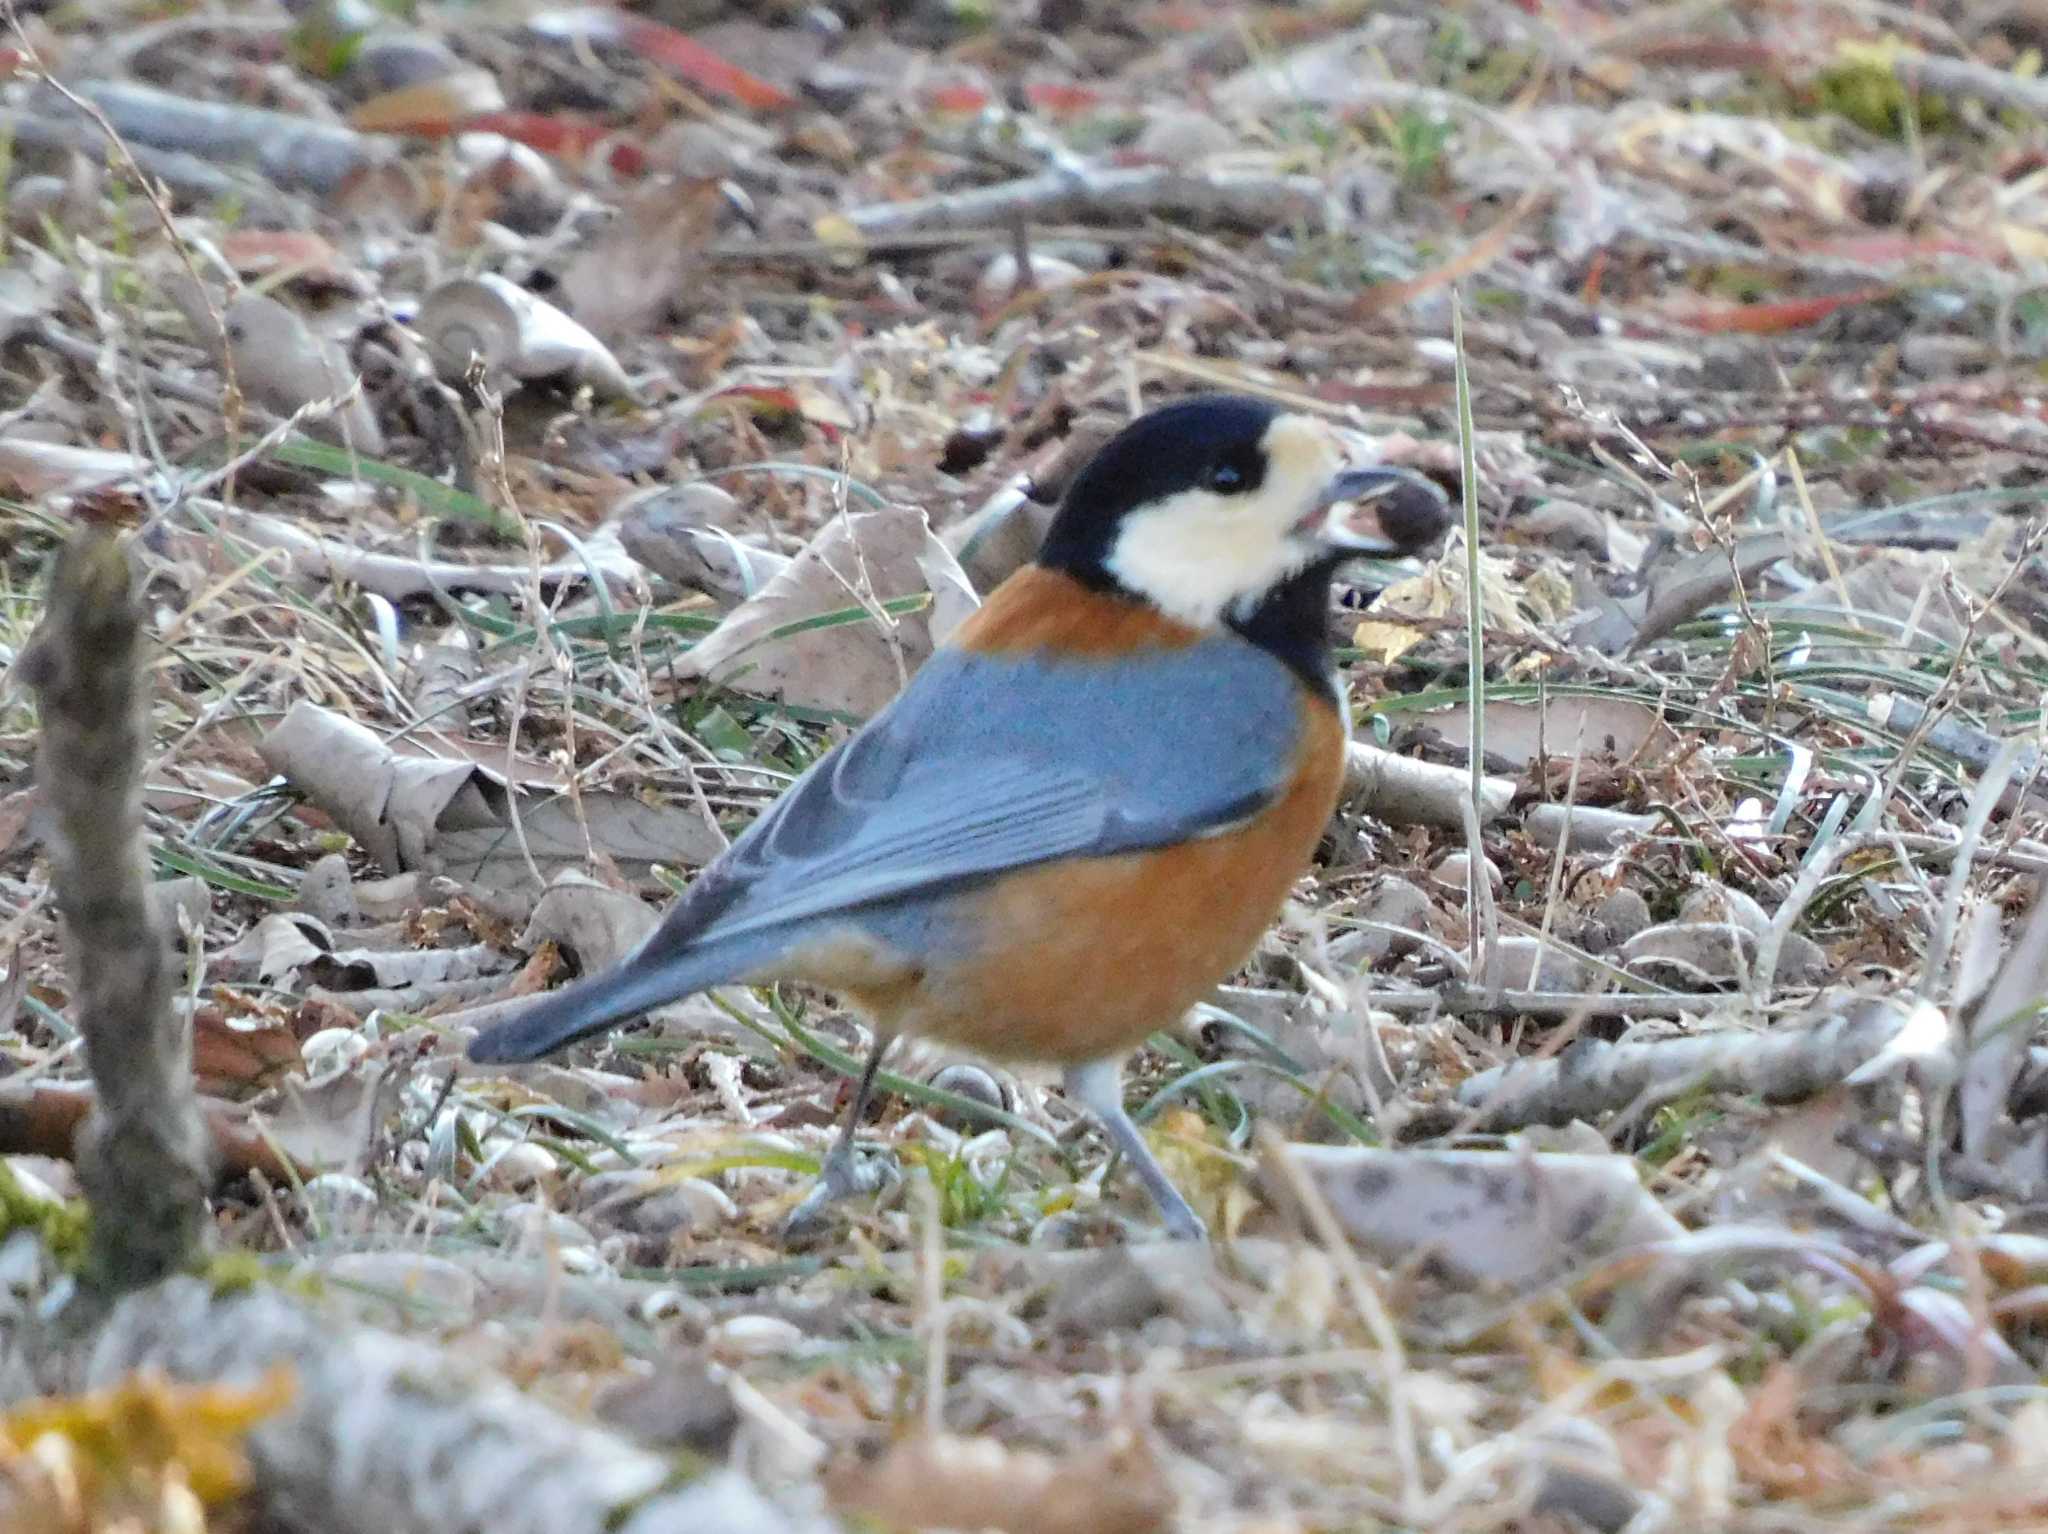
(847, 622)
(416, 811)
(516, 336)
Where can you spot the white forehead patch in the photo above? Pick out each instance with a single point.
(1198, 555)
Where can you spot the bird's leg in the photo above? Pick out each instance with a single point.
(843, 1175)
(1098, 1086)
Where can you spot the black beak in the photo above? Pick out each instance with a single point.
(1382, 512)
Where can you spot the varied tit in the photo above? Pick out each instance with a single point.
(1087, 807)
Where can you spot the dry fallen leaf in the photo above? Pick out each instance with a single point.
(1561, 727)
(230, 1061)
(282, 363)
(859, 656)
(943, 1482)
(1511, 1217)
(454, 814)
(433, 106)
(325, 1125)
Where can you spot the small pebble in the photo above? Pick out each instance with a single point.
(679, 1208)
(522, 1165)
(1721, 903)
(970, 1081)
(1449, 872)
(327, 891)
(1178, 137)
(1619, 916)
(1391, 903)
(754, 1336)
(535, 1225)
(407, 1276)
(335, 1194)
(998, 284)
(332, 1051)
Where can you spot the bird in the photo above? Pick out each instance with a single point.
(1085, 809)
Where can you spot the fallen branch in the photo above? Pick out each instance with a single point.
(1251, 199)
(144, 1159)
(290, 151)
(1403, 791)
(50, 142)
(42, 1118)
(1967, 77)
(399, 576)
(1590, 1077)
(1460, 999)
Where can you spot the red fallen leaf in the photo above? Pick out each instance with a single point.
(562, 133)
(42, 1118)
(694, 64)
(263, 252)
(1770, 319)
(233, 1062)
(765, 397)
(1173, 18)
(804, 404)
(1878, 248)
(956, 98)
(1062, 99)
(569, 135)
(682, 56)
(1596, 272)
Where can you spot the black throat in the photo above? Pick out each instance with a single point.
(1292, 624)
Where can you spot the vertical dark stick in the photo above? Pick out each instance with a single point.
(143, 1157)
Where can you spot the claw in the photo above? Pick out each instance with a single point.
(846, 1174)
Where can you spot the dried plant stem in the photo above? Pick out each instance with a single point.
(145, 1157)
(1484, 929)
(1366, 1300)
(1941, 938)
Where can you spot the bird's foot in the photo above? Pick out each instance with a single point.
(1180, 1220)
(846, 1174)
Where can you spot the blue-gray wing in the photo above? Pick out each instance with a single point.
(989, 763)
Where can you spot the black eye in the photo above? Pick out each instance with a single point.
(1225, 478)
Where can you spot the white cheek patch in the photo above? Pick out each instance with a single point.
(1197, 554)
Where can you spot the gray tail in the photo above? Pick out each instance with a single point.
(646, 978)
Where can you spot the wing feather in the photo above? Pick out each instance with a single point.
(988, 764)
